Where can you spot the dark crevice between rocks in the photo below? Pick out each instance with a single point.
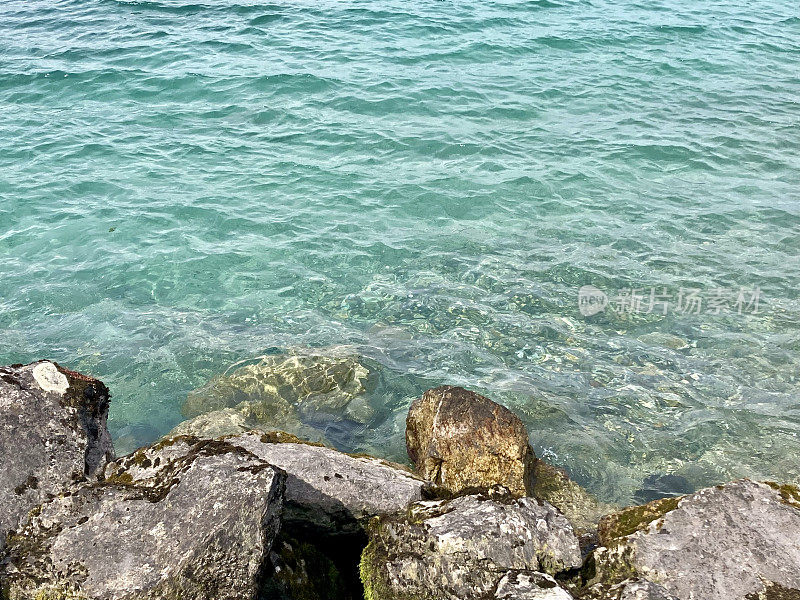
(306, 564)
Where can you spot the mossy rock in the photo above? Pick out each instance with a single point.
(736, 541)
(790, 493)
(185, 518)
(374, 561)
(633, 519)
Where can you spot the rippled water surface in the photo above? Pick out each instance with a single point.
(184, 185)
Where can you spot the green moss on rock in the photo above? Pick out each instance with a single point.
(53, 593)
(281, 437)
(633, 519)
(373, 559)
(790, 494)
(773, 591)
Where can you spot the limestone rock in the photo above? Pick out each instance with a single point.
(731, 542)
(463, 547)
(529, 585)
(52, 431)
(185, 518)
(331, 491)
(642, 590)
(461, 440)
(630, 589)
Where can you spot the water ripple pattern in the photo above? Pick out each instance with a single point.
(184, 184)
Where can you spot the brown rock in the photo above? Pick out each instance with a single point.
(461, 440)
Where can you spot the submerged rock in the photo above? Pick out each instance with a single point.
(52, 432)
(329, 491)
(657, 486)
(666, 340)
(278, 388)
(185, 518)
(217, 423)
(740, 541)
(554, 486)
(464, 547)
(461, 440)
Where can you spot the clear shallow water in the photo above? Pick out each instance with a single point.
(187, 184)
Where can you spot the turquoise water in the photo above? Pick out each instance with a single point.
(184, 185)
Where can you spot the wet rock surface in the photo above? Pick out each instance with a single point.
(461, 440)
(733, 542)
(462, 548)
(330, 491)
(185, 518)
(52, 432)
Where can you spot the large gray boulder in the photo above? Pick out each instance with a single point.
(463, 548)
(52, 432)
(331, 491)
(185, 518)
(462, 441)
(740, 541)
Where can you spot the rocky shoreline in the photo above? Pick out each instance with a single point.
(220, 509)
